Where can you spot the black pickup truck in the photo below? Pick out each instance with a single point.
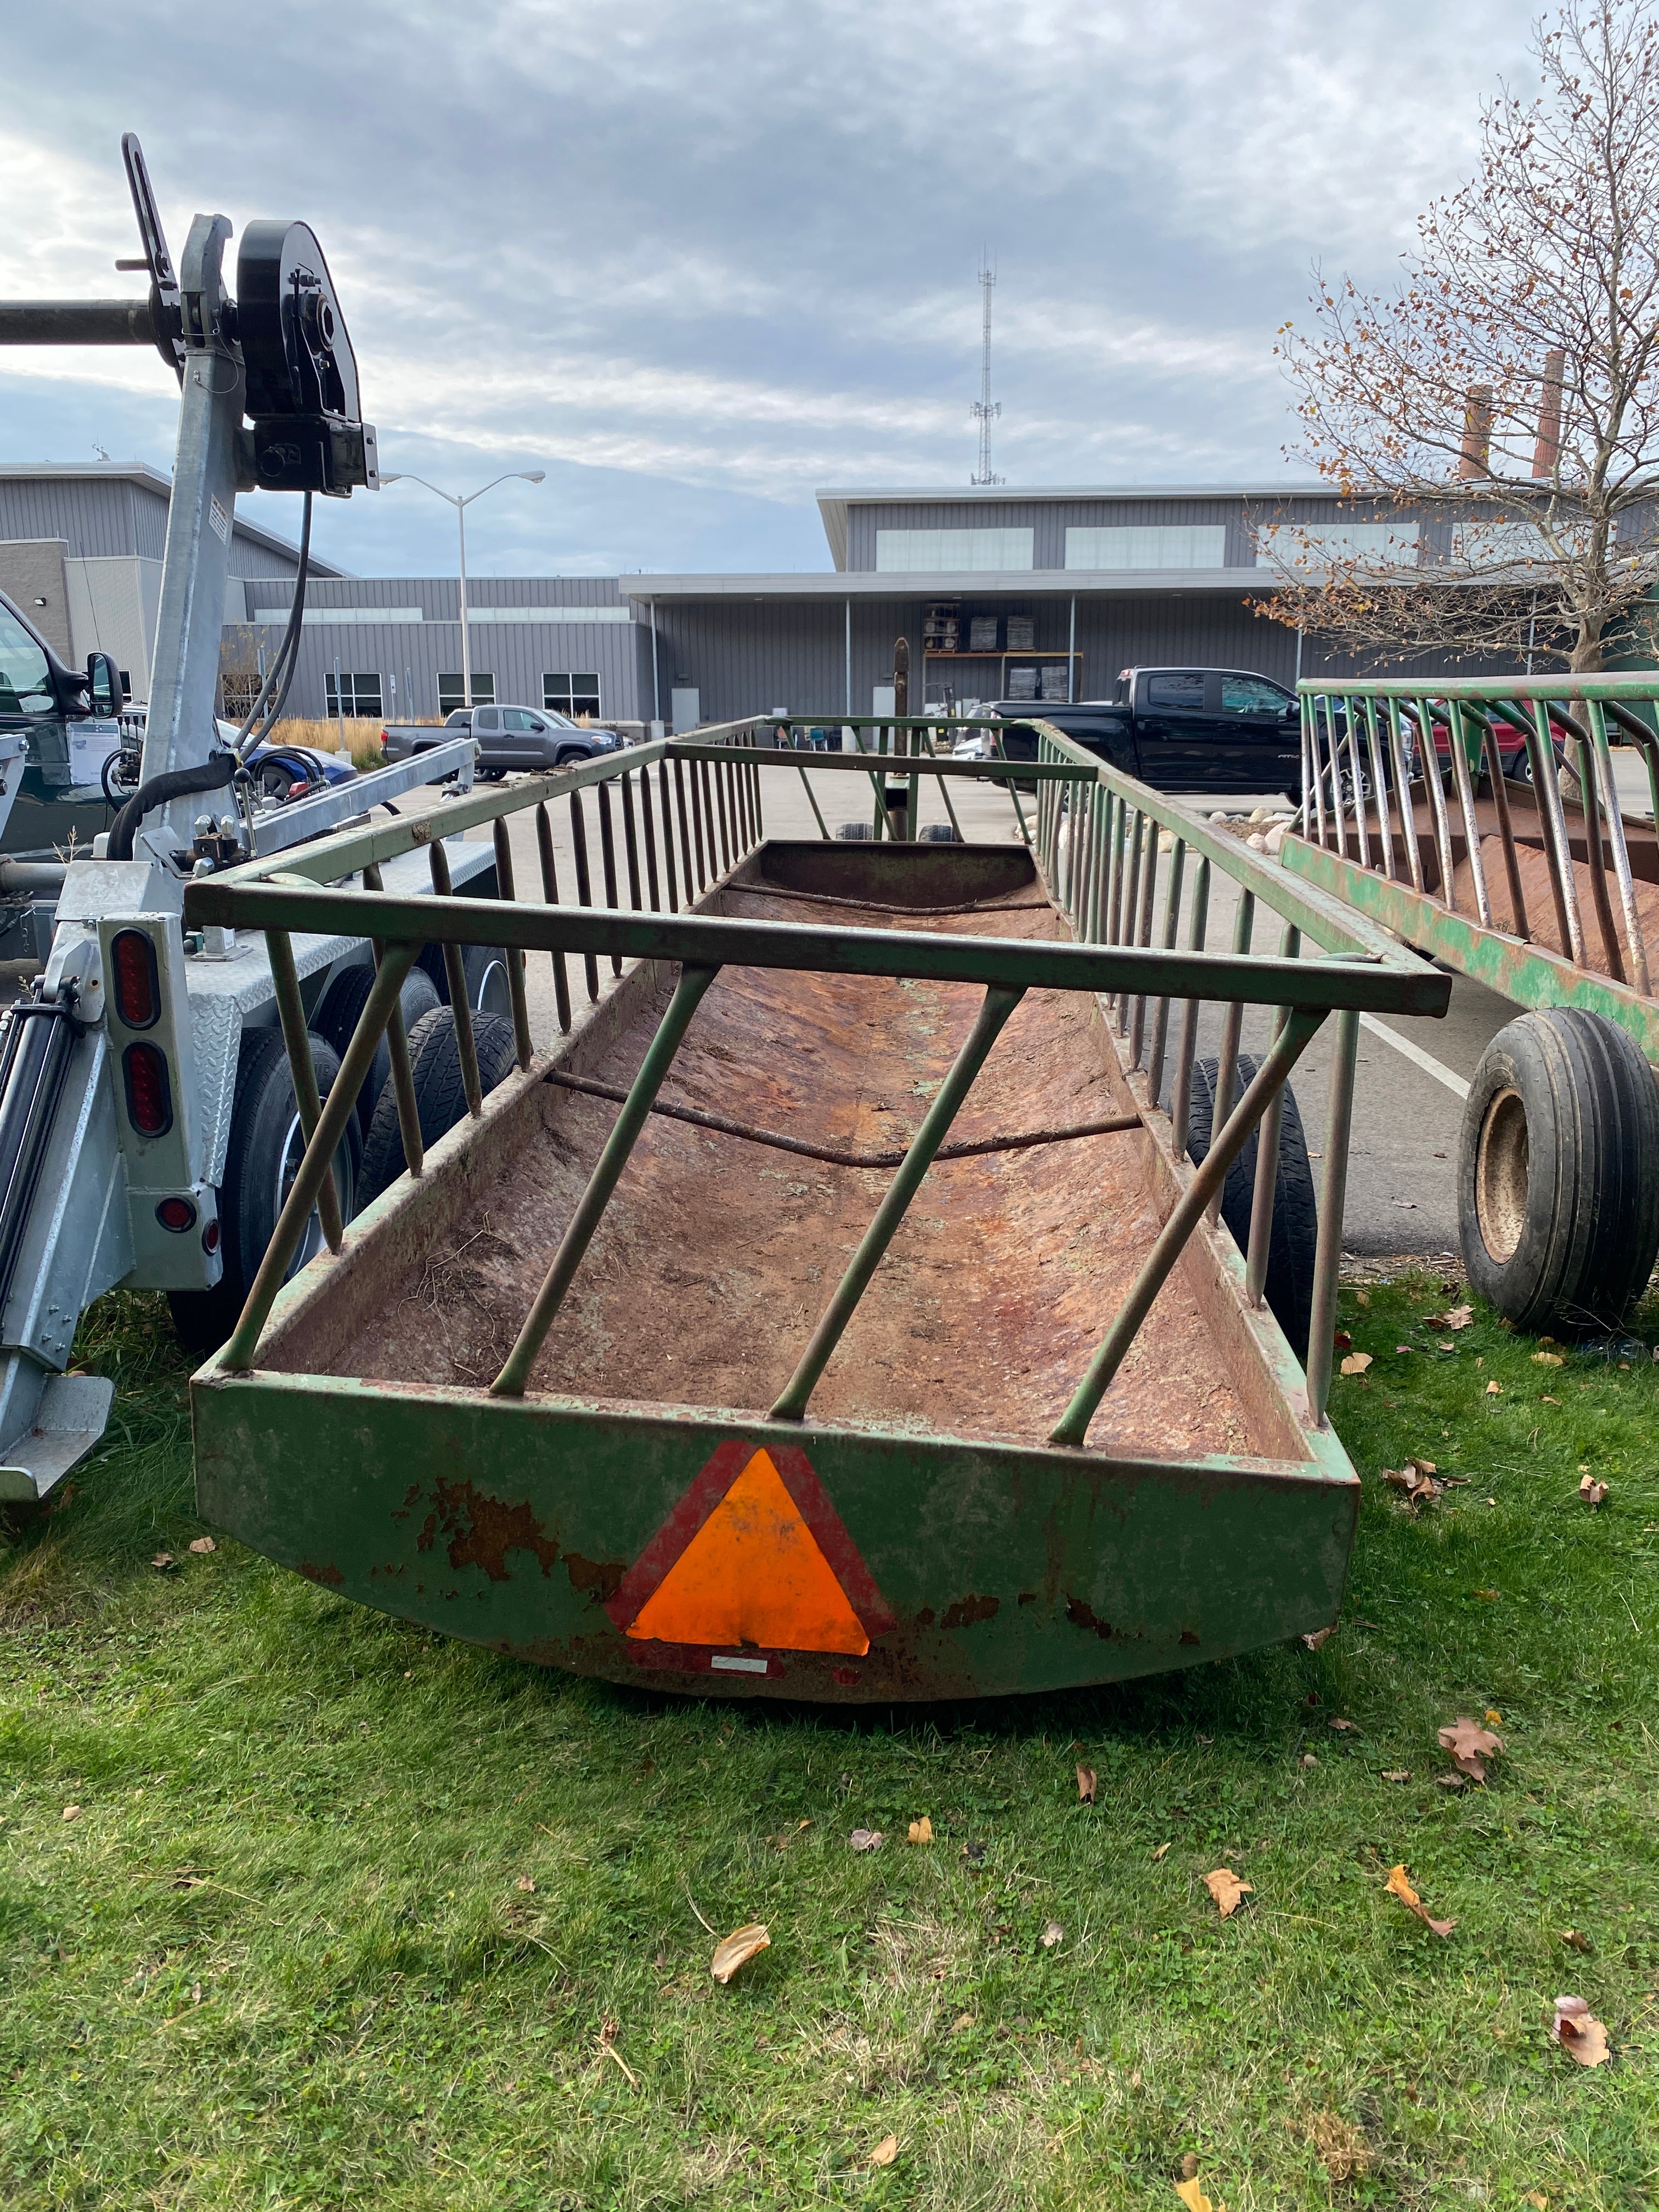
(1181, 729)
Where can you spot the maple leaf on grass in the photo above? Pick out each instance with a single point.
(1591, 1490)
(1191, 2193)
(1458, 1317)
(1470, 1746)
(921, 1831)
(1399, 1885)
(1579, 2032)
(1228, 1891)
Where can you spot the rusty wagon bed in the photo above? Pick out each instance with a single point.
(644, 1492)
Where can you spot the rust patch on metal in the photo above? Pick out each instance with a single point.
(1081, 1614)
(482, 1530)
(330, 1576)
(1188, 1636)
(597, 1579)
(968, 1610)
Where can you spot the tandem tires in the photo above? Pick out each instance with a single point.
(434, 1062)
(1289, 1287)
(1558, 1172)
(343, 1003)
(262, 1158)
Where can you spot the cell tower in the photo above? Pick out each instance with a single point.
(985, 410)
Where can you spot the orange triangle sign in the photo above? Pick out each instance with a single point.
(753, 1574)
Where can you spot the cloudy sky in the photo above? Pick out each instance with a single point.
(697, 260)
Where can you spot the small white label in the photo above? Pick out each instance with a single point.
(724, 1665)
(220, 521)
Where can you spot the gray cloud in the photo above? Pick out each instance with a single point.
(695, 259)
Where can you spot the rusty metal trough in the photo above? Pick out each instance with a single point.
(832, 1313)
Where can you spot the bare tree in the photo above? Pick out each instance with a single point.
(1502, 401)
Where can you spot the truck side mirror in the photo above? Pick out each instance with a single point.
(103, 685)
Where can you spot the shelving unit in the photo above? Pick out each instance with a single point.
(965, 673)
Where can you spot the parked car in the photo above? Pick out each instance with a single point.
(281, 771)
(508, 738)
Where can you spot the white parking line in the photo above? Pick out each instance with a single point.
(1415, 1054)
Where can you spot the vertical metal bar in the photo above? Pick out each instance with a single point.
(1590, 805)
(515, 989)
(1143, 933)
(1460, 753)
(589, 1207)
(336, 1110)
(1262, 1197)
(1546, 787)
(999, 1003)
(460, 1012)
(1500, 799)
(1309, 795)
(550, 893)
(1181, 1095)
(648, 823)
(1634, 939)
(1120, 824)
(296, 1035)
(685, 831)
(1437, 791)
(1161, 1009)
(584, 886)
(396, 1040)
(1334, 768)
(1327, 1250)
(608, 857)
(697, 793)
(1229, 1139)
(1358, 775)
(1226, 1069)
(1102, 851)
(818, 812)
(1380, 786)
(1402, 786)
(630, 843)
(1318, 761)
(722, 781)
(1131, 906)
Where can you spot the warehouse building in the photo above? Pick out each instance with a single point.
(1001, 593)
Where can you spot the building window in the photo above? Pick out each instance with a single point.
(1149, 545)
(358, 697)
(237, 693)
(451, 696)
(1309, 545)
(573, 692)
(948, 551)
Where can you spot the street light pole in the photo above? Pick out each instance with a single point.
(460, 502)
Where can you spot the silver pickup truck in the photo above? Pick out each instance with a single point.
(508, 738)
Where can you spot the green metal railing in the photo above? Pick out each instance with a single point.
(1414, 789)
(1097, 839)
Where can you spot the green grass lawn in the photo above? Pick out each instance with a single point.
(288, 1953)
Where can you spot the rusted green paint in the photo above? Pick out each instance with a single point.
(510, 1523)
(1527, 975)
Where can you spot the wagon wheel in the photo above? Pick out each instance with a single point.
(261, 1161)
(1289, 1287)
(1557, 1202)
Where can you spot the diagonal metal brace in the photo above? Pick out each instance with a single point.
(1301, 1026)
(997, 1004)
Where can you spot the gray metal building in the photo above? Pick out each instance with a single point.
(81, 546)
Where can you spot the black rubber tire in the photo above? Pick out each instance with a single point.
(855, 830)
(262, 1119)
(337, 1014)
(434, 1062)
(937, 833)
(275, 781)
(485, 968)
(1558, 1172)
(1289, 1287)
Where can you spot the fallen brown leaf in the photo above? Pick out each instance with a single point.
(1418, 1479)
(1591, 1490)
(1228, 1891)
(738, 1947)
(1188, 2166)
(162, 1559)
(921, 1831)
(1320, 1635)
(1491, 1596)
(202, 1544)
(1356, 1363)
(1468, 1743)
(1492, 1717)
(1052, 1933)
(867, 1839)
(884, 2152)
(1457, 1317)
(1547, 1359)
(1396, 1774)
(1362, 1297)
(1579, 2032)
(1159, 1852)
(1345, 1727)
(526, 1883)
(965, 2020)
(71, 1812)
(1494, 1389)
(1444, 1346)
(1452, 1781)
(1085, 1785)
(1342, 1341)
(1548, 1400)
(1537, 2199)
(1575, 1939)
(1191, 2194)
(1308, 1760)
(1399, 1885)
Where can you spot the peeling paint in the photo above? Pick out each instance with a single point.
(482, 1530)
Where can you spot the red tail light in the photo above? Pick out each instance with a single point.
(177, 1214)
(149, 1094)
(138, 987)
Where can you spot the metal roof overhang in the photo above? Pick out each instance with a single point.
(834, 502)
(974, 584)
